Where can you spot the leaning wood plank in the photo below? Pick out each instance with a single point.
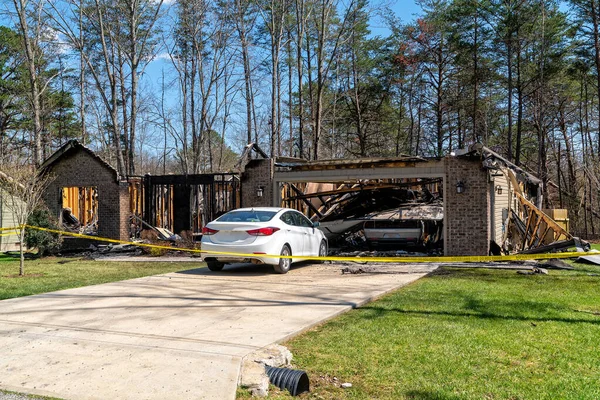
(308, 203)
(560, 232)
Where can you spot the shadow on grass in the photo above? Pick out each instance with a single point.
(15, 256)
(427, 395)
(381, 311)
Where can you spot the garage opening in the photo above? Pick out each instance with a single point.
(378, 205)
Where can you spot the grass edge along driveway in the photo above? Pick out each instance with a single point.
(53, 273)
(462, 334)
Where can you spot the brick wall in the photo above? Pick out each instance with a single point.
(79, 168)
(258, 173)
(468, 213)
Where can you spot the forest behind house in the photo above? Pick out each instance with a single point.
(181, 86)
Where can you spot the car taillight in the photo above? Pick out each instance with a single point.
(208, 231)
(262, 231)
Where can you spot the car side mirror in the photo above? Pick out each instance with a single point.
(316, 224)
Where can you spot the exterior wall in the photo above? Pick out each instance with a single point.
(500, 203)
(10, 242)
(258, 173)
(467, 218)
(124, 224)
(79, 168)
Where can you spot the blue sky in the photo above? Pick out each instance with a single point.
(406, 10)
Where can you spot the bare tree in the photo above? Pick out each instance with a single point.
(31, 26)
(274, 15)
(244, 18)
(329, 36)
(118, 45)
(22, 187)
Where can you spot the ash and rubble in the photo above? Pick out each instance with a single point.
(383, 220)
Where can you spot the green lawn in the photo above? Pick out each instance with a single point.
(463, 334)
(50, 274)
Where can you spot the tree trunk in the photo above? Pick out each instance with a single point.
(242, 33)
(476, 136)
(274, 89)
(123, 87)
(438, 108)
(134, 61)
(357, 108)
(520, 108)
(311, 94)
(82, 92)
(300, 25)
(509, 138)
(21, 251)
(247, 85)
(35, 93)
(290, 67)
(594, 13)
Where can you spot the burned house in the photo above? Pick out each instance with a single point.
(473, 202)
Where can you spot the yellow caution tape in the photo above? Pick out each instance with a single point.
(425, 259)
(12, 228)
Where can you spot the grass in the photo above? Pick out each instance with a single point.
(50, 274)
(25, 396)
(463, 334)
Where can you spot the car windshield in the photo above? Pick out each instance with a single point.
(247, 216)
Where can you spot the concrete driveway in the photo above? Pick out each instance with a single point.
(174, 336)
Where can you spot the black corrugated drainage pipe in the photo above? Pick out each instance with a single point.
(294, 380)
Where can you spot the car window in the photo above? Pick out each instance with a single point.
(247, 216)
(288, 218)
(302, 220)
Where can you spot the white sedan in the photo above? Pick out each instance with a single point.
(252, 233)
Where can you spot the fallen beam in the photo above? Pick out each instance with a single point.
(558, 246)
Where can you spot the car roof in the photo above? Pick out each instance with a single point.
(275, 209)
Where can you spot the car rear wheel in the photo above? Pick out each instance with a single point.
(322, 250)
(215, 265)
(284, 263)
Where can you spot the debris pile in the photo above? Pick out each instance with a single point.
(375, 215)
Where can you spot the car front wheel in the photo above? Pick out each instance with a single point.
(284, 263)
